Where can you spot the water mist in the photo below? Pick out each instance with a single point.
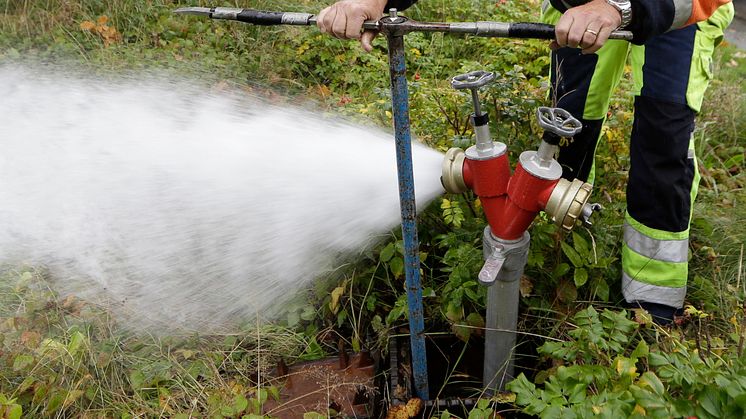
(183, 210)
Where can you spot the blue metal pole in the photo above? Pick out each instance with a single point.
(400, 102)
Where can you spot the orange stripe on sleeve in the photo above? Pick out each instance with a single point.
(703, 9)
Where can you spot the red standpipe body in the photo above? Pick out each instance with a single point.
(489, 180)
(510, 202)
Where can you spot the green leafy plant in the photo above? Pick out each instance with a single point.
(608, 368)
(586, 265)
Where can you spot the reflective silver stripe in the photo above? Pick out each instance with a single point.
(229, 13)
(682, 13)
(545, 6)
(676, 251)
(291, 18)
(639, 291)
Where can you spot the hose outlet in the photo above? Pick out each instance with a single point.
(452, 174)
(588, 211)
(568, 203)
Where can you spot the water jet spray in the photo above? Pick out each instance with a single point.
(511, 202)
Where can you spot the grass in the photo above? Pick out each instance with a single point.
(65, 357)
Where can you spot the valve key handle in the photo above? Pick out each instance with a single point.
(558, 121)
(472, 80)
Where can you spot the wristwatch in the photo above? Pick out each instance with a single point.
(625, 9)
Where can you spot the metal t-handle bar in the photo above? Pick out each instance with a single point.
(404, 25)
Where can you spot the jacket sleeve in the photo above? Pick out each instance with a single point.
(654, 17)
(399, 4)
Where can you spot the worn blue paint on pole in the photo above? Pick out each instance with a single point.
(400, 102)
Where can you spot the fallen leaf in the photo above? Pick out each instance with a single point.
(336, 294)
(526, 286)
(643, 317)
(30, 339)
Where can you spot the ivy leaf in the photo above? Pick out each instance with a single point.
(400, 307)
(580, 276)
(22, 361)
(77, 340)
(397, 267)
(14, 412)
(476, 321)
(650, 380)
(708, 400)
(308, 313)
(341, 317)
(571, 254)
(55, 401)
(560, 270)
(601, 289)
(581, 245)
(641, 351)
(262, 395)
(461, 332)
(454, 312)
(657, 359)
(625, 367)
(387, 253)
(137, 380)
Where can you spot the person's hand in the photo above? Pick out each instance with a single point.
(587, 26)
(345, 18)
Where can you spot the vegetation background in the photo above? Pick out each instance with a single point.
(66, 358)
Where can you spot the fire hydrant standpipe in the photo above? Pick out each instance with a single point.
(511, 202)
(395, 27)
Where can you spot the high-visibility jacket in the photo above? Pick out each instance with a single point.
(649, 18)
(671, 72)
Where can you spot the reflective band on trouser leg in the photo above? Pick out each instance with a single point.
(671, 74)
(659, 197)
(655, 264)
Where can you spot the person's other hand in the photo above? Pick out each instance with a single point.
(587, 26)
(345, 18)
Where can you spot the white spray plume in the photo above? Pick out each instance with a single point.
(181, 210)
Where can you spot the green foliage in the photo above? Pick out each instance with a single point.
(61, 357)
(9, 409)
(587, 265)
(608, 367)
